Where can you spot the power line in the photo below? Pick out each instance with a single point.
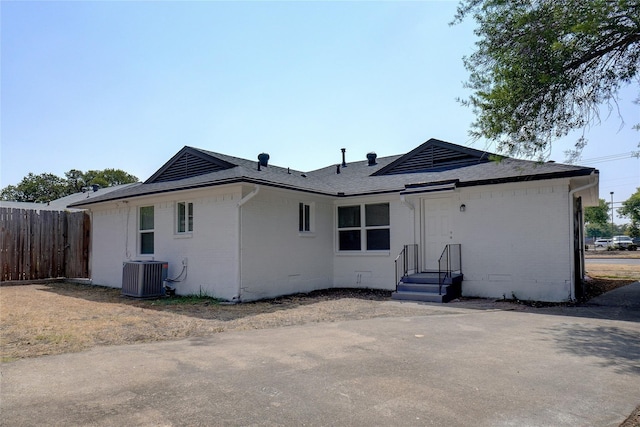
(610, 158)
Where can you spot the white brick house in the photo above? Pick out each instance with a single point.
(247, 231)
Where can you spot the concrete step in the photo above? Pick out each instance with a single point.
(419, 296)
(433, 288)
(431, 278)
(422, 287)
(428, 277)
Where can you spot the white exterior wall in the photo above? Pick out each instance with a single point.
(277, 259)
(375, 270)
(108, 243)
(516, 239)
(211, 251)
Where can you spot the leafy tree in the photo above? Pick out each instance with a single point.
(633, 230)
(105, 178)
(115, 177)
(599, 230)
(542, 68)
(10, 192)
(36, 188)
(597, 215)
(93, 177)
(75, 180)
(46, 187)
(631, 209)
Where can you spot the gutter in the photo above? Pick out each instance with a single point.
(571, 228)
(79, 205)
(407, 190)
(245, 199)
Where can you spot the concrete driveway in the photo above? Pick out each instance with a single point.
(454, 366)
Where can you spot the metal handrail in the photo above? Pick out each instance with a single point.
(406, 261)
(448, 263)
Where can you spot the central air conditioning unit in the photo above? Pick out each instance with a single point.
(144, 279)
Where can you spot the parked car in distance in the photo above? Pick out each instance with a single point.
(602, 243)
(623, 242)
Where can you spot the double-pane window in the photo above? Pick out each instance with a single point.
(364, 226)
(146, 229)
(304, 217)
(377, 226)
(184, 216)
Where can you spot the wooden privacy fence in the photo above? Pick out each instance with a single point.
(44, 244)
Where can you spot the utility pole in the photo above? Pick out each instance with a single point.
(611, 214)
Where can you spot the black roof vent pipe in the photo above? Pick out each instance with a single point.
(344, 162)
(337, 169)
(371, 157)
(263, 158)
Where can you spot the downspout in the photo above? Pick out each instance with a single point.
(90, 260)
(571, 228)
(245, 199)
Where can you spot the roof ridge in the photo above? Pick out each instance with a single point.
(243, 160)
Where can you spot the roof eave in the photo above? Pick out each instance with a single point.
(533, 177)
(239, 180)
(205, 185)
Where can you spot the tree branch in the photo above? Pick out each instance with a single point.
(626, 41)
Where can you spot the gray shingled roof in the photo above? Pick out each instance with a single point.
(62, 203)
(354, 179)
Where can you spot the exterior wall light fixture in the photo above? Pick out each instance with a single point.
(463, 207)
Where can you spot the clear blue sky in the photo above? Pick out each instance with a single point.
(94, 85)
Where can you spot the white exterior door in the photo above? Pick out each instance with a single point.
(437, 231)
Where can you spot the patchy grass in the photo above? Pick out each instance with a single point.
(614, 271)
(38, 320)
(43, 319)
(602, 253)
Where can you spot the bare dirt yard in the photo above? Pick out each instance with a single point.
(55, 318)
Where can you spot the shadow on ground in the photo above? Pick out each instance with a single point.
(611, 346)
(608, 299)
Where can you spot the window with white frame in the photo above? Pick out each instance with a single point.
(364, 226)
(184, 217)
(146, 230)
(304, 217)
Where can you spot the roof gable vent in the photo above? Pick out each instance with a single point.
(432, 156)
(188, 163)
